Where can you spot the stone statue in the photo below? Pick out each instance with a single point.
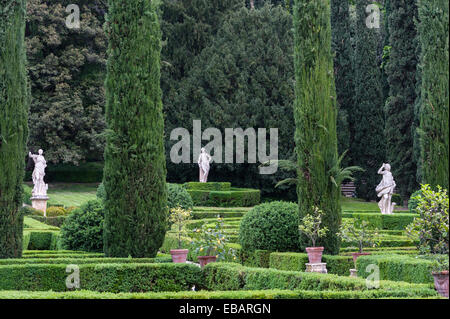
(203, 162)
(385, 189)
(40, 188)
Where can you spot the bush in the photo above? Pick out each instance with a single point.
(178, 196)
(271, 226)
(27, 194)
(235, 197)
(126, 277)
(209, 186)
(413, 201)
(55, 211)
(57, 221)
(83, 228)
(397, 221)
(101, 193)
(41, 240)
(397, 268)
(397, 198)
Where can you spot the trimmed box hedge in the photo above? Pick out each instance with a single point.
(229, 276)
(123, 277)
(397, 221)
(249, 294)
(397, 268)
(41, 240)
(77, 260)
(235, 197)
(209, 186)
(339, 265)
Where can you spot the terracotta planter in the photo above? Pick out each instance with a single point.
(441, 282)
(314, 254)
(179, 255)
(204, 260)
(356, 255)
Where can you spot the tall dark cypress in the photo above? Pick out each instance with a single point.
(343, 72)
(135, 171)
(368, 145)
(399, 108)
(315, 117)
(433, 112)
(14, 105)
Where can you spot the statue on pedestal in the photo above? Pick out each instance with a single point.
(385, 189)
(203, 162)
(39, 194)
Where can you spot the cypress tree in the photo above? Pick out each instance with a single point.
(433, 112)
(368, 145)
(399, 108)
(343, 71)
(135, 172)
(315, 117)
(14, 104)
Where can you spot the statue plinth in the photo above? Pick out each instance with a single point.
(39, 202)
(353, 273)
(320, 268)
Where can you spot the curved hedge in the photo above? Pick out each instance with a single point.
(235, 197)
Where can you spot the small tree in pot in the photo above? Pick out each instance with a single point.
(360, 232)
(440, 274)
(212, 243)
(311, 227)
(179, 217)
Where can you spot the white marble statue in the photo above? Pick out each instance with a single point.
(385, 189)
(40, 188)
(203, 162)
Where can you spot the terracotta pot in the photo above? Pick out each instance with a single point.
(356, 255)
(314, 254)
(441, 282)
(179, 255)
(204, 260)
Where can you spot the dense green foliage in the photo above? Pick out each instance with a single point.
(343, 71)
(14, 105)
(271, 226)
(315, 118)
(178, 196)
(135, 166)
(83, 228)
(399, 108)
(67, 72)
(368, 144)
(434, 104)
(115, 277)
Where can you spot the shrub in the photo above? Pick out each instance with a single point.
(235, 197)
(413, 201)
(43, 240)
(257, 258)
(83, 228)
(27, 194)
(101, 193)
(397, 221)
(271, 226)
(397, 198)
(57, 221)
(179, 217)
(56, 211)
(360, 232)
(209, 186)
(432, 225)
(178, 196)
(311, 226)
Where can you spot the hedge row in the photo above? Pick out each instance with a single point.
(55, 221)
(251, 294)
(73, 255)
(242, 197)
(214, 214)
(66, 173)
(230, 276)
(397, 268)
(209, 186)
(40, 240)
(397, 221)
(339, 265)
(123, 277)
(78, 260)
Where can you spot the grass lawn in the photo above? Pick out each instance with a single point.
(71, 194)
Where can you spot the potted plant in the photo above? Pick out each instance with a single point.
(179, 217)
(440, 274)
(311, 227)
(210, 243)
(354, 231)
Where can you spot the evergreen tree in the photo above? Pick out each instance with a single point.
(14, 104)
(399, 108)
(343, 71)
(433, 112)
(368, 145)
(315, 117)
(135, 172)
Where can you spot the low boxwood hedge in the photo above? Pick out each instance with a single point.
(248, 294)
(397, 221)
(40, 240)
(230, 276)
(339, 265)
(235, 197)
(132, 277)
(77, 260)
(397, 268)
(209, 186)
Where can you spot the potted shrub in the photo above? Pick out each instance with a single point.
(355, 231)
(440, 274)
(210, 243)
(179, 217)
(311, 227)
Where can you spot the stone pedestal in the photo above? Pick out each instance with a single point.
(321, 268)
(39, 203)
(353, 273)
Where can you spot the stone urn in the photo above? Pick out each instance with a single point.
(179, 255)
(204, 260)
(315, 254)
(441, 282)
(356, 255)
